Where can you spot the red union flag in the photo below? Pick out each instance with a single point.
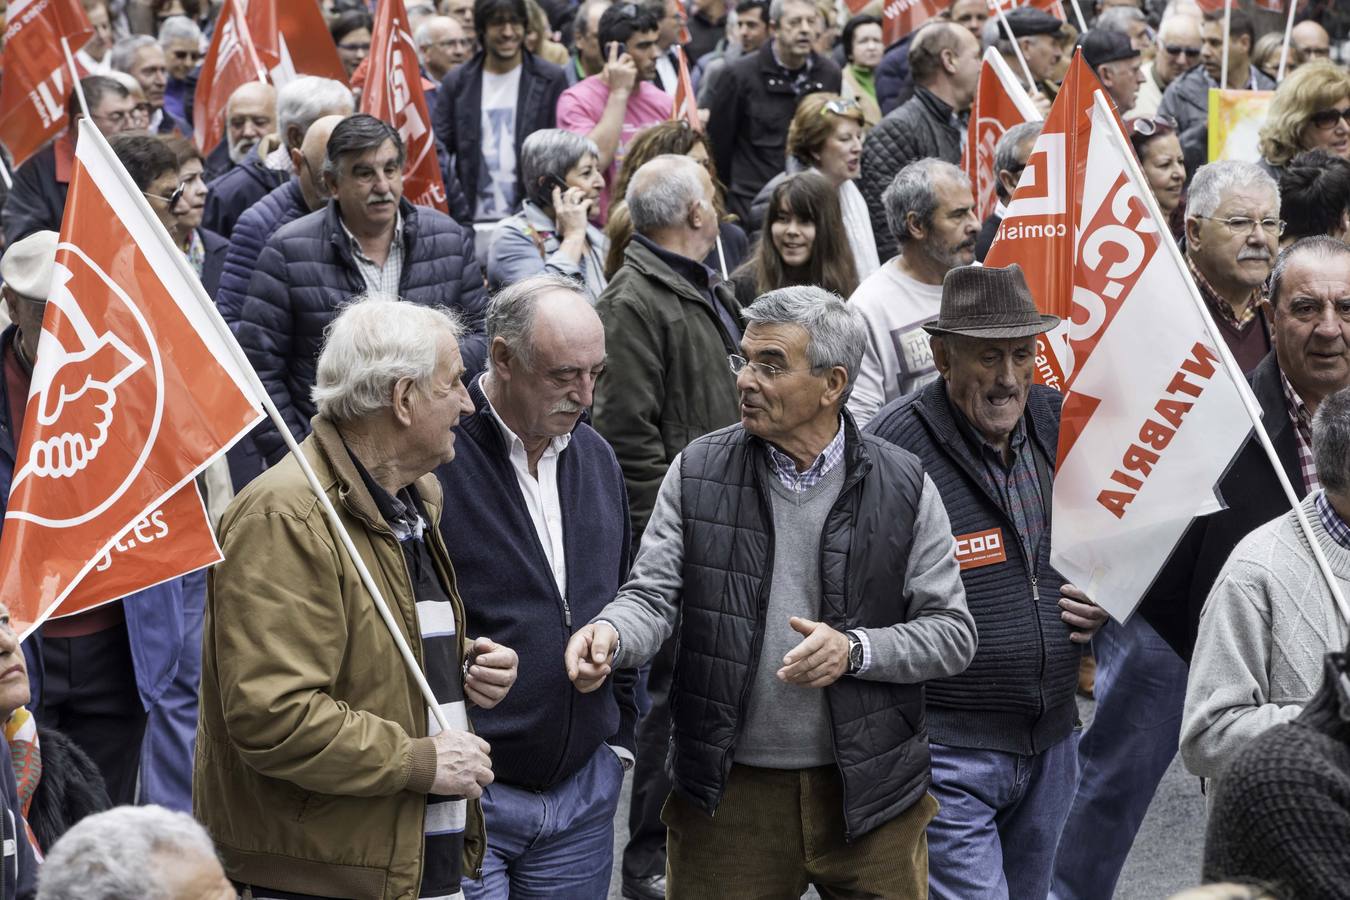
(393, 92)
(685, 105)
(231, 61)
(302, 45)
(1053, 7)
(1152, 416)
(1038, 228)
(134, 391)
(37, 79)
(1000, 103)
(903, 17)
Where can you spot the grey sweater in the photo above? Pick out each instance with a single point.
(934, 637)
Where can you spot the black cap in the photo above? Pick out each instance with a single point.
(1102, 46)
(1027, 21)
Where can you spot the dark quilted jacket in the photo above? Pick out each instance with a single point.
(457, 117)
(238, 189)
(251, 233)
(37, 201)
(922, 127)
(877, 728)
(1017, 695)
(307, 271)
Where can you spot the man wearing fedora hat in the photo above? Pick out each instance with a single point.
(1004, 745)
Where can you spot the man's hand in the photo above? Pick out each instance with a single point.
(1083, 617)
(492, 671)
(819, 660)
(620, 73)
(1041, 102)
(463, 768)
(588, 656)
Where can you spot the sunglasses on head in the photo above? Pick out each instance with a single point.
(1148, 126)
(840, 107)
(1188, 52)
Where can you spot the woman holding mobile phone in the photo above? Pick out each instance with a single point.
(552, 232)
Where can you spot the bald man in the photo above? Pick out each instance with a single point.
(1312, 40)
(1177, 52)
(250, 114)
(442, 44)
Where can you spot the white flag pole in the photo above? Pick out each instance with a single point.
(4, 174)
(1017, 48)
(1227, 24)
(1078, 14)
(1288, 35)
(260, 393)
(1103, 109)
(722, 258)
(75, 74)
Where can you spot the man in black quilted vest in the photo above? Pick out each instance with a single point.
(813, 572)
(1004, 730)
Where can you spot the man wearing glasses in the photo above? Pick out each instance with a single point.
(37, 200)
(442, 44)
(142, 58)
(1177, 52)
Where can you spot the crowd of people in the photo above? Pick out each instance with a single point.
(666, 447)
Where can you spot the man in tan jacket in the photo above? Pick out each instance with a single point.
(319, 770)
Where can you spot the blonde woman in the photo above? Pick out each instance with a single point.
(1310, 111)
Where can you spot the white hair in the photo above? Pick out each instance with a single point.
(111, 855)
(304, 100)
(179, 28)
(123, 53)
(375, 341)
(1212, 181)
(836, 332)
(661, 192)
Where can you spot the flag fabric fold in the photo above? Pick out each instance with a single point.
(686, 104)
(1001, 102)
(37, 79)
(1152, 417)
(134, 391)
(231, 61)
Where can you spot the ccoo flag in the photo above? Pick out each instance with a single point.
(1152, 416)
(134, 391)
(37, 81)
(1000, 103)
(393, 92)
(231, 61)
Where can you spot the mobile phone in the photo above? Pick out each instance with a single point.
(623, 48)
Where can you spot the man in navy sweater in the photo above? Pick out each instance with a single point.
(539, 536)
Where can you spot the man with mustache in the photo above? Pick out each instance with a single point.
(367, 239)
(1003, 732)
(540, 543)
(931, 213)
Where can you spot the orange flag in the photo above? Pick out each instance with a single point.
(136, 388)
(302, 45)
(231, 61)
(685, 104)
(1053, 7)
(901, 17)
(393, 92)
(1000, 103)
(37, 80)
(1038, 230)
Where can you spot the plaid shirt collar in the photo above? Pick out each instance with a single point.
(1301, 418)
(1221, 307)
(786, 469)
(1332, 521)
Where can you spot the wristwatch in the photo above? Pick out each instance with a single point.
(855, 653)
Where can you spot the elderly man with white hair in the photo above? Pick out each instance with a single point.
(320, 770)
(146, 852)
(141, 57)
(814, 576)
(250, 116)
(669, 325)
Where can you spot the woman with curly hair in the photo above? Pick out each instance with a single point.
(802, 242)
(1310, 111)
(674, 137)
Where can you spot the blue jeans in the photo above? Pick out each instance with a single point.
(1141, 685)
(557, 843)
(999, 817)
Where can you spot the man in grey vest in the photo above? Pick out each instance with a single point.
(813, 571)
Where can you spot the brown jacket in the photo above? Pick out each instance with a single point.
(313, 762)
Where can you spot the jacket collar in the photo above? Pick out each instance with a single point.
(936, 106)
(351, 489)
(483, 429)
(337, 231)
(1267, 387)
(857, 458)
(645, 261)
(934, 408)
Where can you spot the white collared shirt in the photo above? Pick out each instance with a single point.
(541, 495)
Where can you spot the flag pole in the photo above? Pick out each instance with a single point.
(1103, 107)
(1288, 36)
(722, 257)
(4, 174)
(1078, 14)
(1017, 48)
(260, 392)
(75, 73)
(1227, 24)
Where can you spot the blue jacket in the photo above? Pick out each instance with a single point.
(18, 866)
(252, 231)
(214, 264)
(894, 83)
(457, 116)
(238, 189)
(307, 271)
(544, 730)
(161, 631)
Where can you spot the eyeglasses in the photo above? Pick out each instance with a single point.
(840, 107)
(1328, 118)
(1146, 126)
(1247, 225)
(173, 198)
(758, 369)
(1188, 52)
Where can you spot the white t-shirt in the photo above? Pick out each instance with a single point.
(496, 188)
(897, 359)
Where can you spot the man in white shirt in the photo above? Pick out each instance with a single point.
(931, 214)
(539, 538)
